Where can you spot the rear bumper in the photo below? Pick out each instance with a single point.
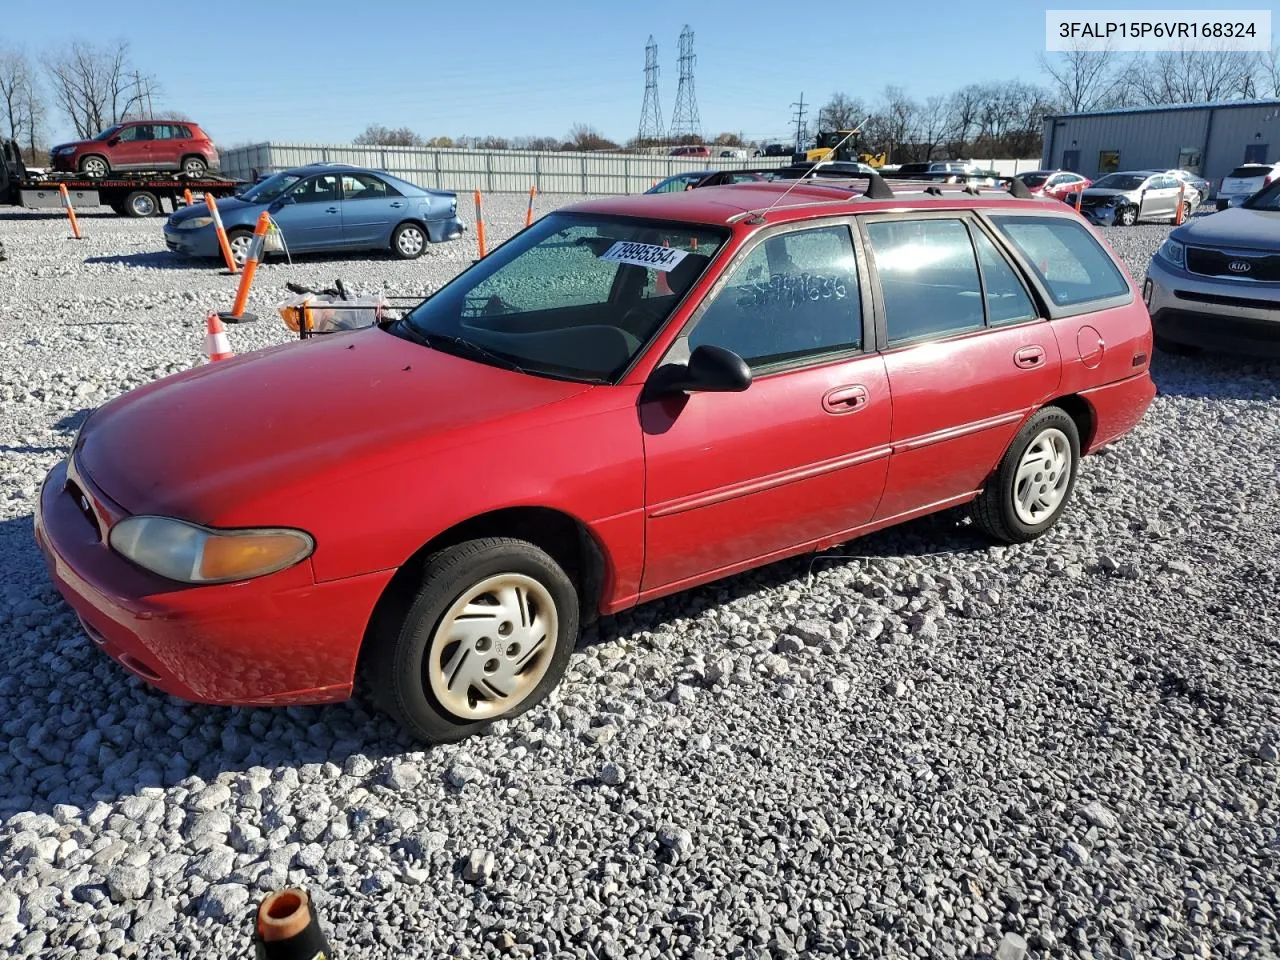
(1229, 315)
(281, 639)
(444, 230)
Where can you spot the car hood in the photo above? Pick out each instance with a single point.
(1234, 227)
(226, 207)
(70, 143)
(206, 441)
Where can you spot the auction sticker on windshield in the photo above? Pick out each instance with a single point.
(644, 255)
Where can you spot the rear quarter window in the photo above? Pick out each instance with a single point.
(1066, 257)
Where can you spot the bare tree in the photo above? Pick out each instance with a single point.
(841, 112)
(932, 126)
(376, 135)
(1268, 65)
(18, 95)
(1083, 79)
(891, 125)
(583, 136)
(97, 86)
(1190, 76)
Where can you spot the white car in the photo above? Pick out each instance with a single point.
(1244, 181)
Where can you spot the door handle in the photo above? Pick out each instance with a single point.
(845, 399)
(1029, 357)
(397, 205)
(331, 210)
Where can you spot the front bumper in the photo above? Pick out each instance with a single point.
(280, 639)
(201, 242)
(1234, 316)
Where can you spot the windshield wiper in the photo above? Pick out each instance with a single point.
(426, 339)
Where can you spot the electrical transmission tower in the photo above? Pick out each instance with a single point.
(801, 131)
(651, 112)
(685, 119)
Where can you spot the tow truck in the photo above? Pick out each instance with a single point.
(129, 195)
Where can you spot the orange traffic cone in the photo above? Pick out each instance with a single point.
(216, 344)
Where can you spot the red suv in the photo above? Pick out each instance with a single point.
(139, 145)
(631, 397)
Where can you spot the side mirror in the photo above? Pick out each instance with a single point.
(113, 141)
(284, 201)
(710, 370)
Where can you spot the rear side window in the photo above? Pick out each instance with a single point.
(1007, 300)
(1067, 258)
(928, 277)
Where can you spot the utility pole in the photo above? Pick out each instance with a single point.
(685, 120)
(651, 112)
(799, 117)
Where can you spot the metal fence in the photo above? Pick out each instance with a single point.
(492, 171)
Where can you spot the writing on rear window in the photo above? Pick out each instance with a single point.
(644, 255)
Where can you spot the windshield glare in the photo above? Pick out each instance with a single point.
(270, 188)
(1267, 199)
(575, 296)
(1120, 181)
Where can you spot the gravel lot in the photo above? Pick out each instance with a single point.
(924, 747)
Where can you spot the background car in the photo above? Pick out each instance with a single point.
(1215, 283)
(691, 178)
(1202, 187)
(139, 145)
(1058, 184)
(690, 152)
(1125, 198)
(1244, 181)
(322, 207)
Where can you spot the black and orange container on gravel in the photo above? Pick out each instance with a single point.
(287, 928)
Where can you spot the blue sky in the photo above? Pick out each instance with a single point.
(321, 71)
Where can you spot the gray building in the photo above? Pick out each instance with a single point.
(1206, 138)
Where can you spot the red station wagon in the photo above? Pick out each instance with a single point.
(631, 397)
(139, 145)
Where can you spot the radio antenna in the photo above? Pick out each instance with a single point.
(757, 216)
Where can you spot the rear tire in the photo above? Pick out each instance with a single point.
(487, 636)
(142, 203)
(408, 241)
(194, 166)
(1031, 486)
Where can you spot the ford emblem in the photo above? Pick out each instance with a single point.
(1239, 266)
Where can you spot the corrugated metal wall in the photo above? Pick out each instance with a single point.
(492, 171)
(1156, 139)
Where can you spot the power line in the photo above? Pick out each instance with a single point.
(651, 112)
(801, 131)
(684, 119)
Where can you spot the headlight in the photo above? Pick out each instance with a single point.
(1173, 251)
(62, 151)
(193, 223)
(193, 554)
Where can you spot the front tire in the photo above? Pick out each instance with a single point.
(1127, 217)
(487, 636)
(1031, 487)
(240, 239)
(408, 241)
(94, 166)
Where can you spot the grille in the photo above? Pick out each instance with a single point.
(1215, 263)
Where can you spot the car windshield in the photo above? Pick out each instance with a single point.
(1120, 181)
(575, 296)
(1266, 199)
(1033, 179)
(1247, 172)
(270, 188)
(111, 131)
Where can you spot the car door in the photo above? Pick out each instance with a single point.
(801, 454)
(1157, 198)
(371, 209)
(310, 213)
(130, 151)
(966, 351)
(165, 145)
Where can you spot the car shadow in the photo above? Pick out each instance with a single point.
(58, 746)
(156, 260)
(1217, 376)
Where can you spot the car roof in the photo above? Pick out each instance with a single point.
(320, 167)
(725, 205)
